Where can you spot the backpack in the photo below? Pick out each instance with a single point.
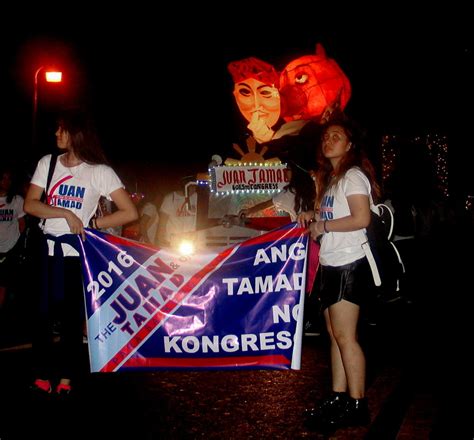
(382, 254)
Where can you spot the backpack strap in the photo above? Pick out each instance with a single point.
(372, 263)
(366, 246)
(52, 166)
(44, 196)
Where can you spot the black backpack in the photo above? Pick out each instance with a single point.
(383, 256)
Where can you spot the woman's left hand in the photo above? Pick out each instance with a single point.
(316, 229)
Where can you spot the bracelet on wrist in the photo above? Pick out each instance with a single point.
(325, 227)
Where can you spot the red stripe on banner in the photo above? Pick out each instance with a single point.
(115, 239)
(240, 361)
(267, 223)
(164, 312)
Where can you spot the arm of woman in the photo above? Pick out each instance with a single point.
(126, 211)
(161, 231)
(359, 218)
(256, 208)
(35, 207)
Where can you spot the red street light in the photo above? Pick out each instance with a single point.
(54, 76)
(51, 76)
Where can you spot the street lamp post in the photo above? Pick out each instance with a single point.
(51, 76)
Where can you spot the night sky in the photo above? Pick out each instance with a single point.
(164, 98)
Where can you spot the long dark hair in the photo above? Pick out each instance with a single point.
(326, 176)
(84, 139)
(302, 186)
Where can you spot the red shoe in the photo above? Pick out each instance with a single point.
(41, 388)
(63, 389)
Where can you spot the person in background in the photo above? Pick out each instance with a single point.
(345, 183)
(12, 225)
(81, 176)
(105, 207)
(149, 219)
(177, 215)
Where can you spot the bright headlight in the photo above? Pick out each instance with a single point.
(186, 247)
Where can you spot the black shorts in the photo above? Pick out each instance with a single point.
(351, 282)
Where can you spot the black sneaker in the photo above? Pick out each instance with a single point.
(328, 409)
(355, 413)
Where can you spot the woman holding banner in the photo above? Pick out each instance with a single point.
(79, 177)
(345, 180)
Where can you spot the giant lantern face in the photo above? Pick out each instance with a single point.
(256, 95)
(312, 84)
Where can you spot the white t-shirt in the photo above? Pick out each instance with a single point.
(150, 210)
(339, 248)
(9, 215)
(75, 188)
(180, 219)
(285, 201)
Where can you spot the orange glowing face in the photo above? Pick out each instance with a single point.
(258, 101)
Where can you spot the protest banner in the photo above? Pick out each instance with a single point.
(238, 307)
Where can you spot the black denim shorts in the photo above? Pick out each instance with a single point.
(351, 282)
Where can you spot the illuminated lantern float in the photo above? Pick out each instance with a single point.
(308, 89)
(283, 111)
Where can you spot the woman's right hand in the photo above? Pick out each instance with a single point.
(75, 224)
(316, 229)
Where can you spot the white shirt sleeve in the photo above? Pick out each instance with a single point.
(106, 181)
(356, 182)
(40, 175)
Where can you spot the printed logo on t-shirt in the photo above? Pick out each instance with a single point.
(327, 208)
(66, 196)
(6, 215)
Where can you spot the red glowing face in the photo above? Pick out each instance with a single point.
(311, 84)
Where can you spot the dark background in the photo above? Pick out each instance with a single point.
(160, 91)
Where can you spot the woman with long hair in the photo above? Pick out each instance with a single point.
(345, 185)
(80, 177)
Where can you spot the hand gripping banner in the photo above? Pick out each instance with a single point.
(238, 307)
